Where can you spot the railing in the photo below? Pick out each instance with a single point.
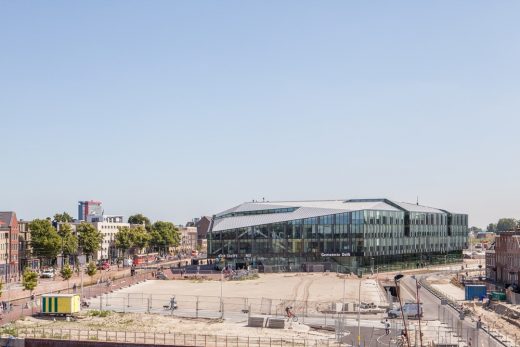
(157, 338)
(479, 335)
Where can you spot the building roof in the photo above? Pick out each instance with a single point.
(244, 214)
(6, 219)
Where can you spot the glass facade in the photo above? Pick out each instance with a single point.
(368, 239)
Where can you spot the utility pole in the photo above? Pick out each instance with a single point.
(360, 276)
(398, 290)
(419, 311)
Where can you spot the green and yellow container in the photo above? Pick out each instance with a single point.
(60, 304)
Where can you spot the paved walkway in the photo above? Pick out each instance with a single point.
(103, 282)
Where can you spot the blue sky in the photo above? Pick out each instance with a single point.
(179, 109)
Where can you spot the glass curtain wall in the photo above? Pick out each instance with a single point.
(367, 238)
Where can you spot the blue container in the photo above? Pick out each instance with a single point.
(475, 291)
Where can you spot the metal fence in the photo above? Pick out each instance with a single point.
(465, 326)
(169, 338)
(370, 337)
(221, 307)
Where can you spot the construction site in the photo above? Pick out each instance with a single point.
(327, 309)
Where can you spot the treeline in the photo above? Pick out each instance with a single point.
(48, 242)
(503, 224)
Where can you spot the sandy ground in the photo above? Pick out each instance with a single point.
(153, 323)
(321, 287)
(451, 290)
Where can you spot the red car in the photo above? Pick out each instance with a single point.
(103, 265)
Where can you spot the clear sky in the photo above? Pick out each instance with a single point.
(178, 109)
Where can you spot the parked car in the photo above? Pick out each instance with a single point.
(47, 274)
(104, 265)
(409, 309)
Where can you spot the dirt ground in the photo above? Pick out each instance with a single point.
(297, 286)
(164, 324)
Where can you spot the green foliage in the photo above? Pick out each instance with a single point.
(140, 219)
(507, 224)
(98, 313)
(131, 238)
(68, 239)
(91, 269)
(1, 287)
(9, 331)
(123, 239)
(66, 272)
(140, 237)
(45, 241)
(164, 235)
(29, 279)
(63, 217)
(491, 228)
(89, 238)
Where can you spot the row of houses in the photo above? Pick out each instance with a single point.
(15, 238)
(503, 259)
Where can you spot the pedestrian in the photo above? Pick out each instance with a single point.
(387, 327)
(74, 287)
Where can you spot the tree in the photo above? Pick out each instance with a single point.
(123, 239)
(66, 273)
(139, 237)
(91, 270)
(69, 241)
(1, 287)
(89, 239)
(29, 280)
(140, 219)
(475, 230)
(491, 228)
(164, 235)
(506, 224)
(63, 217)
(131, 239)
(45, 241)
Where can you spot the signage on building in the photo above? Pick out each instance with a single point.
(335, 254)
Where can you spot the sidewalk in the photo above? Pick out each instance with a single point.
(109, 281)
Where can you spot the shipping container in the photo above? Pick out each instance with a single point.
(498, 296)
(60, 304)
(475, 291)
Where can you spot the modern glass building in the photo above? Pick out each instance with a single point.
(367, 234)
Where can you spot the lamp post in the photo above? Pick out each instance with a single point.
(397, 289)
(221, 298)
(360, 276)
(417, 287)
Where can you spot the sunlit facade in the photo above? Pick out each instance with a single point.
(361, 233)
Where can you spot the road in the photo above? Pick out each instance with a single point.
(465, 329)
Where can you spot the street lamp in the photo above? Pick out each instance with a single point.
(417, 287)
(398, 290)
(221, 298)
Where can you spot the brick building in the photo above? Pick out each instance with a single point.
(491, 269)
(203, 225)
(25, 258)
(9, 246)
(507, 258)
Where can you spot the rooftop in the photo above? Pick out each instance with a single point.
(266, 212)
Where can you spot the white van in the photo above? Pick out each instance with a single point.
(409, 309)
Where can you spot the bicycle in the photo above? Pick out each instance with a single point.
(399, 341)
(292, 317)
